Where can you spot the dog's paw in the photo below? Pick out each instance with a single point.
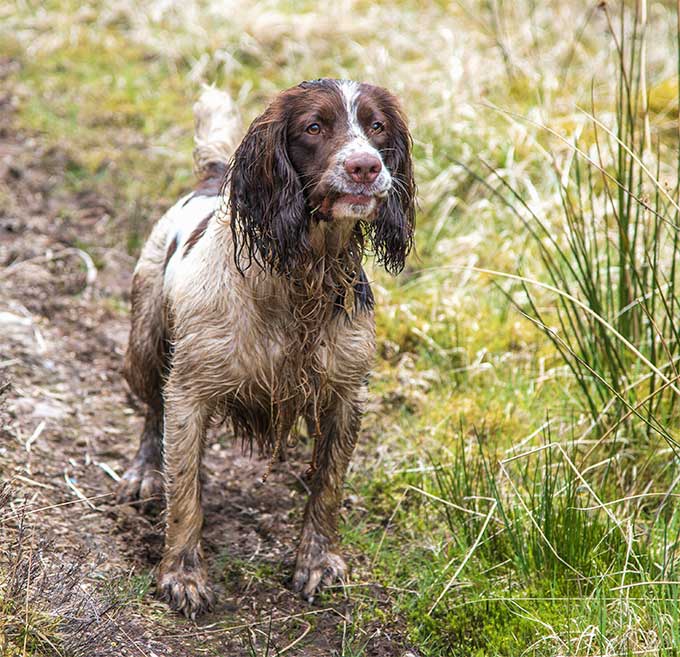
(143, 483)
(316, 567)
(185, 589)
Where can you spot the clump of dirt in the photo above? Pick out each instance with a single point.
(68, 427)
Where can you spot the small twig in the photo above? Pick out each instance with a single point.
(301, 481)
(35, 435)
(32, 482)
(242, 626)
(294, 643)
(109, 470)
(77, 491)
(50, 257)
(52, 506)
(91, 276)
(375, 585)
(661, 582)
(445, 502)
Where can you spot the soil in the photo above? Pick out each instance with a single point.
(68, 427)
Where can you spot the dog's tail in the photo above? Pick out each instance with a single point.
(218, 131)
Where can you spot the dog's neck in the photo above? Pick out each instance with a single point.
(312, 289)
(332, 238)
(308, 293)
(309, 298)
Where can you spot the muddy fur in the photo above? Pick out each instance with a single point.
(266, 317)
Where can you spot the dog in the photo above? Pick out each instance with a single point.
(250, 303)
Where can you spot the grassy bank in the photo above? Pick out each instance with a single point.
(515, 486)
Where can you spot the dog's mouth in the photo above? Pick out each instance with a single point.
(337, 204)
(355, 199)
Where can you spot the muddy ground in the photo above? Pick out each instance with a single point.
(68, 427)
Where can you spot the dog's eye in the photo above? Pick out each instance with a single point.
(313, 129)
(377, 127)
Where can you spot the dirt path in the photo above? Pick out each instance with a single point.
(68, 426)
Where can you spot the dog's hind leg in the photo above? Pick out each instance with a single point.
(182, 576)
(318, 562)
(143, 480)
(146, 362)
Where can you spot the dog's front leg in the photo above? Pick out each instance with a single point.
(182, 576)
(318, 562)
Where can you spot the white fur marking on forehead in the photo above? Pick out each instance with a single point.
(350, 93)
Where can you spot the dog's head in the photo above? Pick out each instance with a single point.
(330, 151)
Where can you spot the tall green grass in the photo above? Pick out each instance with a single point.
(611, 259)
(524, 556)
(557, 568)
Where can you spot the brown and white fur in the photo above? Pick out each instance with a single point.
(249, 302)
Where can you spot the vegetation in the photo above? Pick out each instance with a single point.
(519, 469)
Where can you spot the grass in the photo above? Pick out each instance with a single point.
(518, 473)
(48, 607)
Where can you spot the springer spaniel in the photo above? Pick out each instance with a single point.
(249, 302)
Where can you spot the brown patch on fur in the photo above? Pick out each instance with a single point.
(211, 182)
(170, 252)
(196, 234)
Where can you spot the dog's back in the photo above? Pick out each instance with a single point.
(217, 130)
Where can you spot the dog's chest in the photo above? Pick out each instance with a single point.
(338, 357)
(251, 339)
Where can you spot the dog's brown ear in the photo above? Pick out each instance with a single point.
(392, 231)
(268, 213)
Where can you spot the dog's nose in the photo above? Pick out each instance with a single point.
(363, 167)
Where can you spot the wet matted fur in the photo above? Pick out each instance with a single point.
(249, 302)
